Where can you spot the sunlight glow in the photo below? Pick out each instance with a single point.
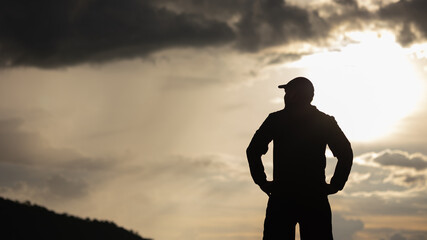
(368, 86)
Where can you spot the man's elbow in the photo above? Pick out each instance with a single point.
(250, 152)
(346, 158)
(345, 155)
(349, 155)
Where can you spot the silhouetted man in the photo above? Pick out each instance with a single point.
(299, 192)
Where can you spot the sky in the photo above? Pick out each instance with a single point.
(140, 111)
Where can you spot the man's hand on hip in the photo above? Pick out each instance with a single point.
(331, 189)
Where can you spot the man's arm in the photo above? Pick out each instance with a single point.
(341, 148)
(258, 147)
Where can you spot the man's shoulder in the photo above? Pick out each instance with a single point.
(322, 114)
(277, 113)
(274, 117)
(314, 112)
(327, 119)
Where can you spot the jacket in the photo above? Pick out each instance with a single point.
(300, 137)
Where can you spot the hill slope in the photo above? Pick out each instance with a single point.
(23, 221)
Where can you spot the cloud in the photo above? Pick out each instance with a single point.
(61, 33)
(176, 190)
(42, 183)
(344, 229)
(63, 187)
(50, 34)
(407, 179)
(262, 24)
(401, 159)
(179, 190)
(347, 2)
(397, 236)
(54, 34)
(280, 57)
(393, 234)
(386, 191)
(409, 236)
(270, 23)
(18, 146)
(410, 16)
(388, 174)
(29, 166)
(376, 190)
(203, 169)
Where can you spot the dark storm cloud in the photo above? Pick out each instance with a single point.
(347, 15)
(347, 2)
(59, 33)
(52, 34)
(269, 23)
(276, 58)
(217, 9)
(401, 159)
(263, 23)
(259, 24)
(407, 14)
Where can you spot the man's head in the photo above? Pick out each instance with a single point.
(299, 92)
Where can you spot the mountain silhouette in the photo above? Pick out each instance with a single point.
(19, 221)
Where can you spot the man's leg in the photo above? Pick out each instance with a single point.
(280, 220)
(315, 219)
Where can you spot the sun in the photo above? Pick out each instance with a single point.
(369, 86)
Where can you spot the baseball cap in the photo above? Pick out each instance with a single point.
(299, 83)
